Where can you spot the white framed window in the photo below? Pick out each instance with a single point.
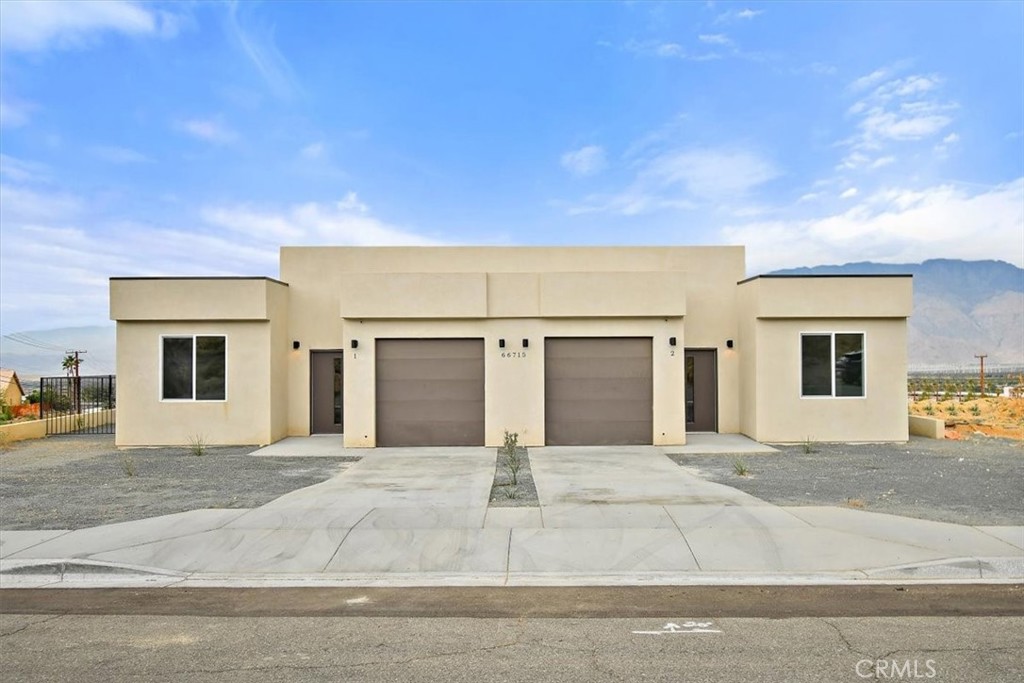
(193, 367)
(832, 364)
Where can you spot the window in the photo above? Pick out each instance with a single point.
(193, 368)
(832, 364)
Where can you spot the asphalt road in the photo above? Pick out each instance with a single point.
(690, 647)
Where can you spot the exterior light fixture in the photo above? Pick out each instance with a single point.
(729, 343)
(671, 341)
(526, 343)
(296, 344)
(355, 343)
(501, 343)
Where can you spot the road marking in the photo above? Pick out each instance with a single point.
(686, 627)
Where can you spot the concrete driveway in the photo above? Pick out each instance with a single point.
(606, 515)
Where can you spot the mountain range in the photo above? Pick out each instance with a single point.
(961, 308)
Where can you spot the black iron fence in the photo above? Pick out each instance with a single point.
(78, 405)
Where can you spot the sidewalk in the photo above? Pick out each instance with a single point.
(607, 516)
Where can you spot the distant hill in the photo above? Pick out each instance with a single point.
(961, 308)
(38, 353)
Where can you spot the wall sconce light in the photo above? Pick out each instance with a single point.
(355, 343)
(671, 341)
(729, 343)
(296, 344)
(526, 343)
(501, 343)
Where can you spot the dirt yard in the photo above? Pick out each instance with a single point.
(997, 416)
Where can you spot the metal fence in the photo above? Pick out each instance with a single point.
(78, 405)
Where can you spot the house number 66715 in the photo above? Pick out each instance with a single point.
(513, 354)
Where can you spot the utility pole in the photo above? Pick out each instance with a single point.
(982, 358)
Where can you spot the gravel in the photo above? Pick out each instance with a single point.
(506, 495)
(978, 482)
(74, 482)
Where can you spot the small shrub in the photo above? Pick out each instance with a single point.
(929, 409)
(952, 409)
(197, 445)
(512, 492)
(128, 464)
(740, 468)
(5, 442)
(511, 453)
(809, 446)
(975, 410)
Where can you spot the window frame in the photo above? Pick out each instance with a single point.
(195, 351)
(831, 334)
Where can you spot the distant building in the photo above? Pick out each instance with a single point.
(10, 387)
(450, 346)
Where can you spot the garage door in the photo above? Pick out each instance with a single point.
(598, 391)
(430, 392)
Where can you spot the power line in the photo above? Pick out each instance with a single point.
(29, 341)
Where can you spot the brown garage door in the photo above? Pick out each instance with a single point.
(598, 391)
(430, 392)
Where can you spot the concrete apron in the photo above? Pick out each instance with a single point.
(622, 515)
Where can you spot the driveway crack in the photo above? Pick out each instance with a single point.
(345, 538)
(685, 540)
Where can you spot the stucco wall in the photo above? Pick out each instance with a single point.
(699, 281)
(280, 352)
(193, 298)
(243, 418)
(784, 416)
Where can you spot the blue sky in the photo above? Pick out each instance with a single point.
(196, 138)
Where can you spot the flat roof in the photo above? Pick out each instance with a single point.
(204, 277)
(786, 276)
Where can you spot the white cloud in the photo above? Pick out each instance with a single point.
(714, 39)
(942, 149)
(209, 130)
(37, 26)
(848, 193)
(20, 204)
(745, 14)
(344, 222)
(682, 179)
(585, 161)
(20, 171)
(893, 110)
(119, 155)
(666, 50)
(871, 79)
(313, 151)
(260, 48)
(14, 113)
(895, 225)
(709, 173)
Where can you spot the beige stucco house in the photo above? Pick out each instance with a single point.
(11, 392)
(455, 345)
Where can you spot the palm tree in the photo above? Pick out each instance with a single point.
(70, 365)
